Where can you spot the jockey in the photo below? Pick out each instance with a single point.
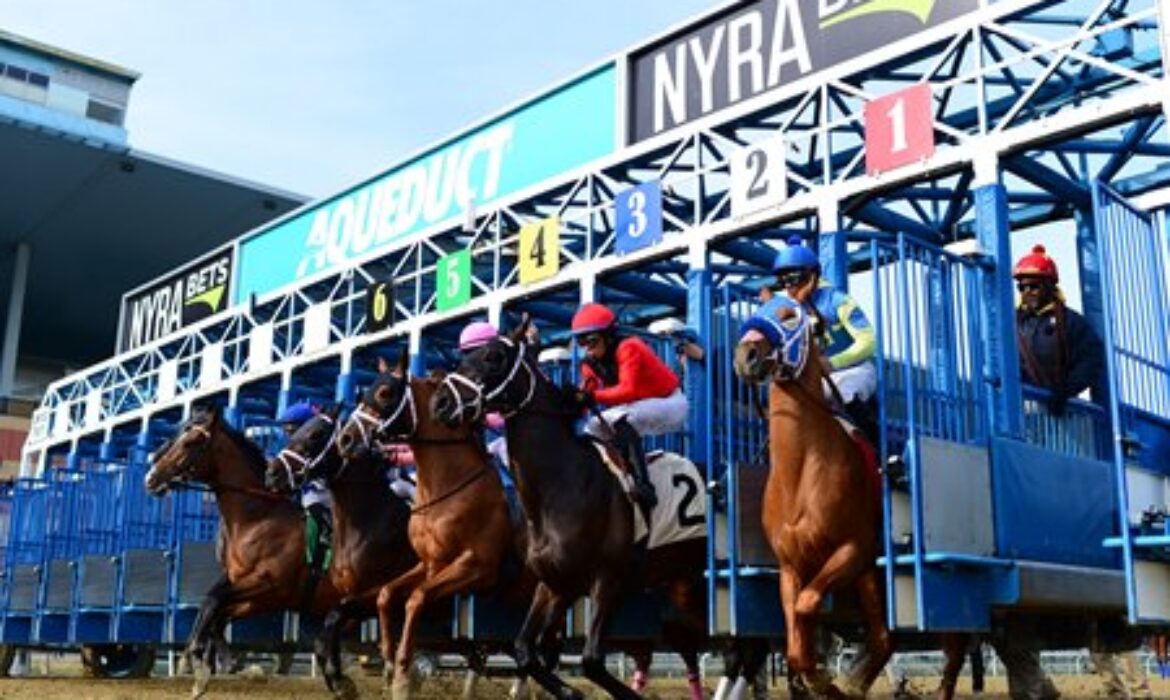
(640, 392)
(474, 335)
(315, 496)
(1058, 349)
(848, 340)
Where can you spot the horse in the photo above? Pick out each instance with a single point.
(264, 555)
(460, 527)
(821, 507)
(580, 522)
(370, 546)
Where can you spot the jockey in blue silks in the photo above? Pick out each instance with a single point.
(847, 339)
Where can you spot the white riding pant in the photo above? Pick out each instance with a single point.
(314, 492)
(647, 416)
(856, 382)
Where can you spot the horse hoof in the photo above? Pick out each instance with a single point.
(345, 689)
(202, 678)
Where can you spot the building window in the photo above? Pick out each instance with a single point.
(38, 80)
(104, 113)
(16, 73)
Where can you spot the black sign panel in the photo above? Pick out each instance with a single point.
(379, 306)
(760, 46)
(191, 294)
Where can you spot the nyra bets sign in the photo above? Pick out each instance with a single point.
(189, 295)
(545, 137)
(755, 47)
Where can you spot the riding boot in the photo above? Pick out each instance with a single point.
(320, 537)
(630, 444)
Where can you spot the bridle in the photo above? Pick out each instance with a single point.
(369, 427)
(185, 473)
(481, 398)
(289, 456)
(791, 355)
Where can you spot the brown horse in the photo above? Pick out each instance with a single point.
(264, 556)
(460, 527)
(370, 545)
(580, 523)
(821, 510)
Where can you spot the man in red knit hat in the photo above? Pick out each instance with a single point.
(1058, 349)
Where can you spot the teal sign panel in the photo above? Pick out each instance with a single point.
(552, 134)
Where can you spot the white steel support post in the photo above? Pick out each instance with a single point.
(588, 289)
(831, 245)
(1002, 368)
(418, 363)
(285, 397)
(343, 393)
(1164, 44)
(15, 316)
(232, 413)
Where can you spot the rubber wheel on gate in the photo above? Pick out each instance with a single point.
(7, 657)
(117, 660)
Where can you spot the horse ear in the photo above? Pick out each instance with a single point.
(335, 411)
(383, 365)
(785, 312)
(518, 333)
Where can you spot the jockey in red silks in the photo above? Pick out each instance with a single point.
(640, 393)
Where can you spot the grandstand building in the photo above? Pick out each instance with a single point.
(85, 218)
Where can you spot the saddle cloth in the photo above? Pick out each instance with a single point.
(869, 455)
(681, 513)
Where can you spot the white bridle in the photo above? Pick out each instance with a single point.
(306, 464)
(370, 426)
(481, 399)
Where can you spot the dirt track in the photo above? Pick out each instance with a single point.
(306, 688)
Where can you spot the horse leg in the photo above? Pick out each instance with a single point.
(843, 565)
(880, 647)
(545, 604)
(465, 573)
(387, 595)
(690, 659)
(641, 656)
(954, 646)
(208, 609)
(795, 652)
(327, 646)
(605, 593)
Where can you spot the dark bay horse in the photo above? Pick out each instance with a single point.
(460, 526)
(264, 557)
(821, 509)
(370, 546)
(580, 523)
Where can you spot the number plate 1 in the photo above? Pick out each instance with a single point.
(759, 177)
(453, 280)
(899, 129)
(638, 217)
(540, 250)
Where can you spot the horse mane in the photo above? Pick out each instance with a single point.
(253, 455)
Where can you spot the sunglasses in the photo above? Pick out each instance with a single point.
(1029, 287)
(590, 341)
(792, 279)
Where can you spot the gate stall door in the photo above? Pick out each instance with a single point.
(1134, 296)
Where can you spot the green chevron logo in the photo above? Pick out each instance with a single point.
(211, 297)
(918, 8)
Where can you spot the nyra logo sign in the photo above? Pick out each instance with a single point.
(189, 295)
(766, 45)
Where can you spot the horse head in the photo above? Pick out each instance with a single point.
(306, 450)
(775, 343)
(185, 457)
(497, 376)
(387, 408)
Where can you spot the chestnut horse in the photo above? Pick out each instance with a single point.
(460, 525)
(580, 523)
(821, 510)
(370, 546)
(264, 553)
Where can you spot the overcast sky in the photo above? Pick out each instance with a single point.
(312, 96)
